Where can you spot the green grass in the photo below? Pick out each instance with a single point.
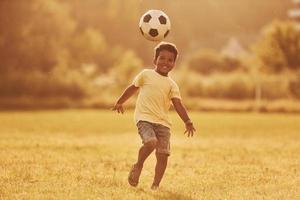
(86, 154)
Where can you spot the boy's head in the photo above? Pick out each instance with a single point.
(165, 57)
(165, 46)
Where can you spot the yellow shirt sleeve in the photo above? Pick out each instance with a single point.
(175, 93)
(139, 79)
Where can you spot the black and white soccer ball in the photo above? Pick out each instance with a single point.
(155, 25)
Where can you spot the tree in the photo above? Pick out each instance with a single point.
(126, 68)
(279, 47)
(33, 34)
(89, 47)
(34, 38)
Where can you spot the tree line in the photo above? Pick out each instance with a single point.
(61, 50)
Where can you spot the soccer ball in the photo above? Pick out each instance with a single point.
(155, 25)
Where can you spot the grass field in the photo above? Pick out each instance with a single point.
(86, 154)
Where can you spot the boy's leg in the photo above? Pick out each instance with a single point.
(147, 134)
(162, 153)
(144, 152)
(136, 169)
(149, 139)
(161, 164)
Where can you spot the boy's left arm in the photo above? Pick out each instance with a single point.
(180, 109)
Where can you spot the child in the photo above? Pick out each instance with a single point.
(157, 90)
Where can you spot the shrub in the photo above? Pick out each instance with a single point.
(40, 85)
(207, 62)
(294, 87)
(235, 86)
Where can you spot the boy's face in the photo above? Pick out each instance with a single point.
(164, 62)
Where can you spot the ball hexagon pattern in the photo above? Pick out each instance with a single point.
(155, 25)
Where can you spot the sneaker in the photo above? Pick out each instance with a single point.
(134, 175)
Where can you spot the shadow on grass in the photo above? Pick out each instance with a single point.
(164, 194)
(156, 194)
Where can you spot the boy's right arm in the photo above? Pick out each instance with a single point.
(129, 91)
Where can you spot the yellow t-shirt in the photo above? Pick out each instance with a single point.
(154, 99)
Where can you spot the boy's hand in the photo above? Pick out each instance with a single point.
(180, 109)
(118, 107)
(189, 128)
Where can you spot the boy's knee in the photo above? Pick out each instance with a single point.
(151, 144)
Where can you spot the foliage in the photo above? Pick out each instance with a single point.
(90, 47)
(294, 87)
(35, 37)
(209, 61)
(57, 49)
(236, 86)
(279, 47)
(126, 68)
(42, 51)
(41, 85)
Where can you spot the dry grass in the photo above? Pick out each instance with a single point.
(73, 154)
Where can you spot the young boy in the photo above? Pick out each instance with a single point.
(157, 90)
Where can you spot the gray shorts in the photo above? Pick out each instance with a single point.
(152, 131)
